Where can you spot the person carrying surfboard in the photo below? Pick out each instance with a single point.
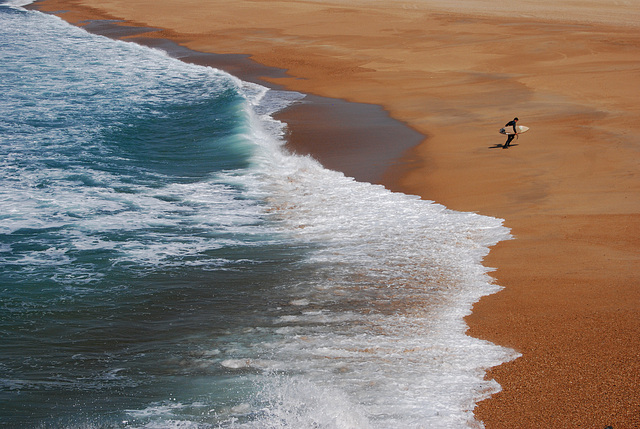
(511, 136)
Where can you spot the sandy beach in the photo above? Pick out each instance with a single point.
(456, 72)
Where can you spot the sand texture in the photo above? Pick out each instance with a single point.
(456, 72)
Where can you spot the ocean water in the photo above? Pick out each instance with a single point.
(165, 263)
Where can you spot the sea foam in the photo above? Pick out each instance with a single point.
(393, 278)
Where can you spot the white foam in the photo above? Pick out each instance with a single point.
(415, 269)
(300, 403)
(16, 3)
(81, 203)
(243, 408)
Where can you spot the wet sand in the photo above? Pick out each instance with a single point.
(570, 189)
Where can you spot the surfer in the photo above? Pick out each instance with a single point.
(511, 136)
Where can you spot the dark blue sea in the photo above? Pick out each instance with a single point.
(166, 263)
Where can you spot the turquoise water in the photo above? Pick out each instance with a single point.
(166, 263)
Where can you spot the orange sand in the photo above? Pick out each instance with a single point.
(570, 190)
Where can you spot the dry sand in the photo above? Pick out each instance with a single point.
(570, 190)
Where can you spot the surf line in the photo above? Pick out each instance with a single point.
(316, 126)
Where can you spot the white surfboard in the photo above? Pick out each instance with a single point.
(509, 130)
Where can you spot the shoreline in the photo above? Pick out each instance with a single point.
(316, 125)
(569, 192)
(367, 157)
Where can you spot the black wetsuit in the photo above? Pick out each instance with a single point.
(511, 136)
